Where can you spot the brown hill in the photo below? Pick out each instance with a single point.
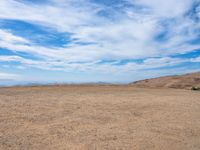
(186, 81)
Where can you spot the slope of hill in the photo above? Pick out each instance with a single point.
(186, 81)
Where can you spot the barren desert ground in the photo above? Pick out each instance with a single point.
(99, 118)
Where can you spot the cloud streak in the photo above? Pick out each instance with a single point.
(8, 76)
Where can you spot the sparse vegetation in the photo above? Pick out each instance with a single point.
(195, 88)
(188, 81)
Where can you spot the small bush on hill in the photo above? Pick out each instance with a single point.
(194, 88)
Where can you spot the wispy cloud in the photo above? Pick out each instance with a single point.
(8, 76)
(153, 31)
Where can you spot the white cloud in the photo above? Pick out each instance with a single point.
(130, 36)
(196, 59)
(163, 8)
(8, 76)
(7, 36)
(60, 15)
(95, 66)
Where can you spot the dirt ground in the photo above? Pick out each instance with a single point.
(99, 118)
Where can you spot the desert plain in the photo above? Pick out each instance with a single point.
(99, 117)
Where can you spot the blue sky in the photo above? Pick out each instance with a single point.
(74, 41)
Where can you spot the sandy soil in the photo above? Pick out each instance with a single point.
(99, 118)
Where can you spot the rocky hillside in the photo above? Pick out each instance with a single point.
(186, 81)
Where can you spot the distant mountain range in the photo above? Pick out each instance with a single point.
(187, 81)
